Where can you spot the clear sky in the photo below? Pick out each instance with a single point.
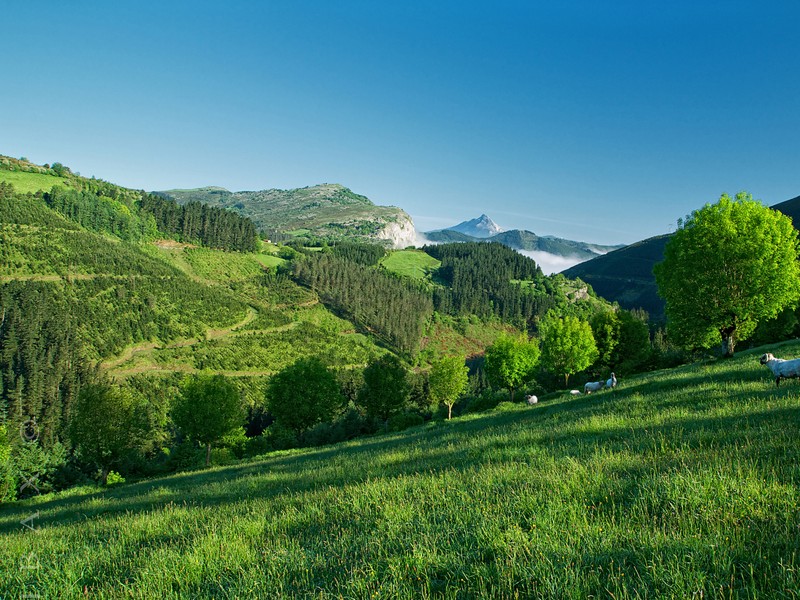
(590, 120)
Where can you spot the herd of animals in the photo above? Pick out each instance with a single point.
(781, 369)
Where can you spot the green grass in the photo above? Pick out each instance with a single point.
(270, 260)
(31, 182)
(678, 484)
(411, 263)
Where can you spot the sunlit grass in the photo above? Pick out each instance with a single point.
(25, 182)
(677, 484)
(411, 263)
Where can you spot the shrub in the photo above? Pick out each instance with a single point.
(325, 433)
(404, 421)
(487, 400)
(114, 478)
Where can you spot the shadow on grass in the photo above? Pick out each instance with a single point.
(441, 447)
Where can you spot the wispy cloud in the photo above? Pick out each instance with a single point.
(551, 263)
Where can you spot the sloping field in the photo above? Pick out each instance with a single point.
(678, 484)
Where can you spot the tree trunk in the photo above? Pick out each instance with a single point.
(208, 454)
(728, 341)
(512, 393)
(449, 411)
(566, 380)
(104, 475)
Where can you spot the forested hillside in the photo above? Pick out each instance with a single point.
(113, 295)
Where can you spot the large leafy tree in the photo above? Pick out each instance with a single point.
(568, 345)
(108, 424)
(448, 379)
(386, 387)
(511, 361)
(207, 409)
(303, 394)
(728, 266)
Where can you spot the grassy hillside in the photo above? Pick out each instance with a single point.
(677, 484)
(25, 182)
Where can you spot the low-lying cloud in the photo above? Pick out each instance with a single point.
(552, 263)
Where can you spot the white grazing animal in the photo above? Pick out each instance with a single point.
(612, 383)
(575, 392)
(531, 399)
(593, 386)
(781, 368)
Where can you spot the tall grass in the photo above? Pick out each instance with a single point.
(678, 484)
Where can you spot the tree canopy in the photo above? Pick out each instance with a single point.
(728, 266)
(511, 361)
(303, 394)
(108, 424)
(448, 380)
(568, 345)
(386, 387)
(207, 409)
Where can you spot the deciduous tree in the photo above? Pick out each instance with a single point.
(448, 379)
(108, 424)
(728, 266)
(208, 408)
(303, 394)
(511, 361)
(386, 387)
(568, 345)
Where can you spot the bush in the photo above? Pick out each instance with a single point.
(186, 456)
(324, 433)
(257, 445)
(280, 438)
(487, 400)
(404, 421)
(114, 478)
(235, 441)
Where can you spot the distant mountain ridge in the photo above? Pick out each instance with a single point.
(328, 210)
(517, 239)
(482, 227)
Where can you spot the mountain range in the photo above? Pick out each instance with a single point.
(485, 229)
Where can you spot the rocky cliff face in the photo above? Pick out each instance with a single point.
(400, 233)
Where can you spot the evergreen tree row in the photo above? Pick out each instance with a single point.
(212, 226)
(393, 309)
(490, 280)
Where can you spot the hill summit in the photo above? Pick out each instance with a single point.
(328, 210)
(482, 227)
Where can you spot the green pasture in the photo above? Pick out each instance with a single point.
(31, 182)
(411, 263)
(677, 484)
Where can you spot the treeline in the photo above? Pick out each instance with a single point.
(212, 226)
(99, 212)
(490, 280)
(391, 308)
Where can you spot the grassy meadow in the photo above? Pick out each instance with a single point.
(415, 264)
(25, 182)
(678, 484)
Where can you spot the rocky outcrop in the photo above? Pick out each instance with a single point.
(400, 233)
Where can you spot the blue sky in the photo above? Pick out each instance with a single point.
(595, 121)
